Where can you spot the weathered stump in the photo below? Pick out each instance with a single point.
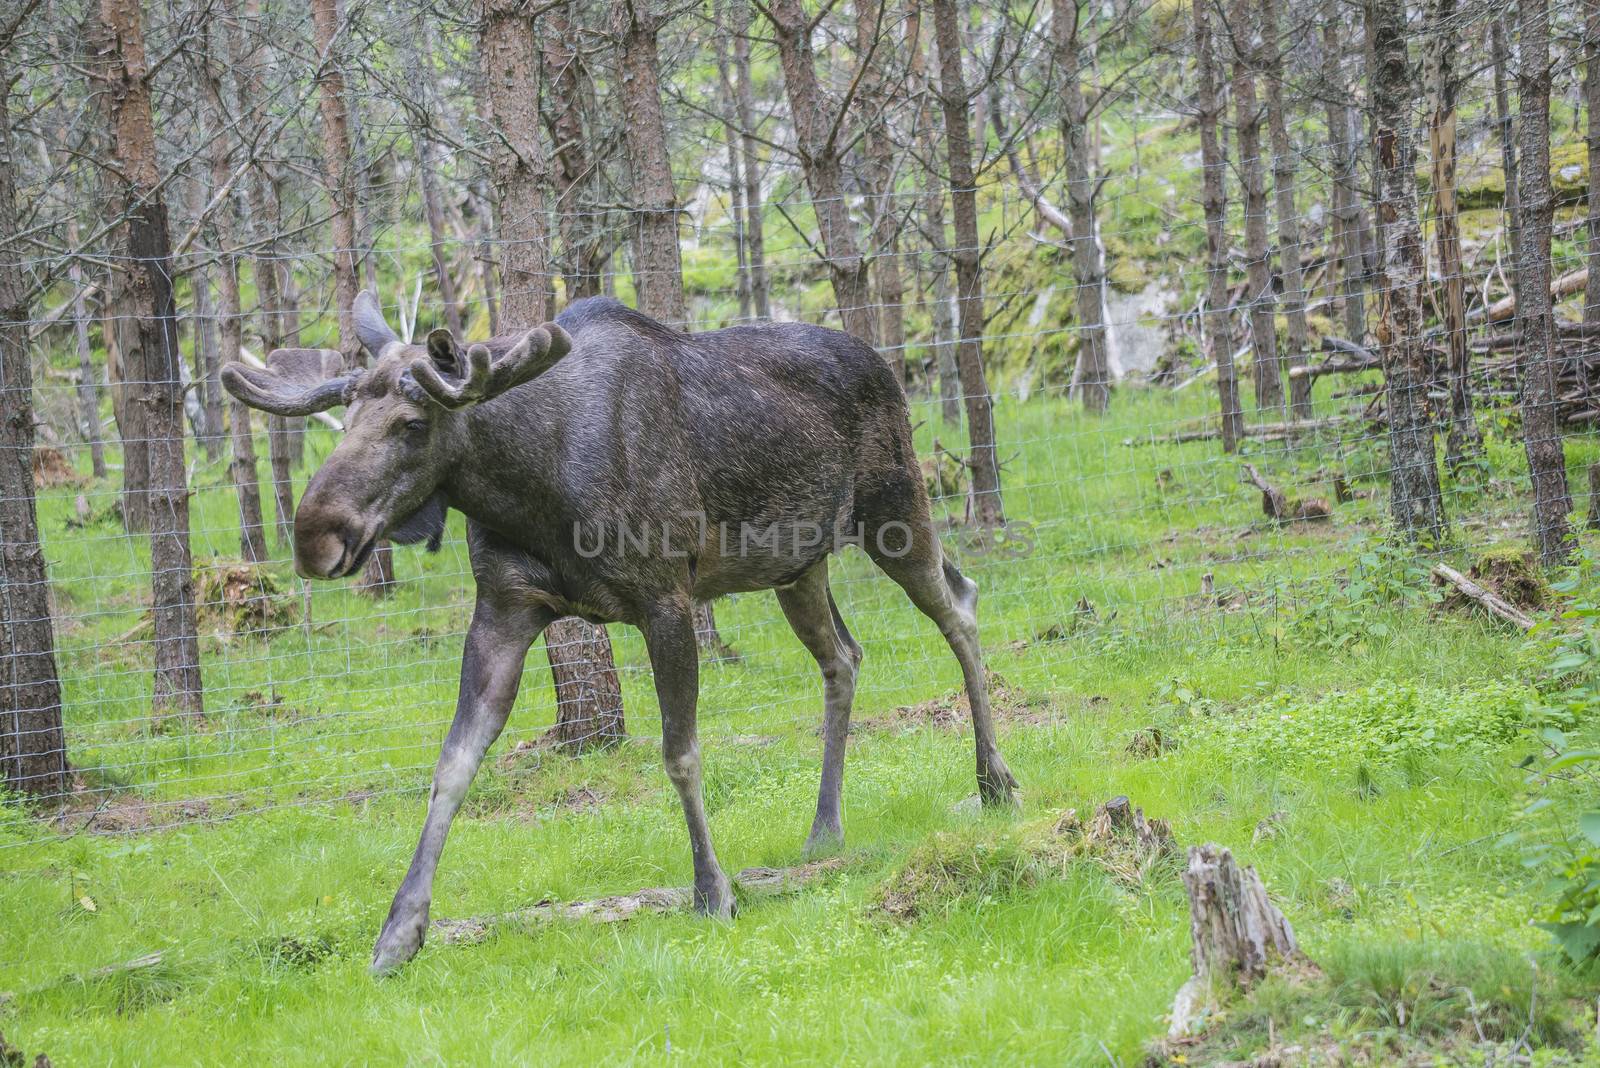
(1237, 935)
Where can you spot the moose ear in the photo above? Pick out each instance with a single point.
(373, 332)
(444, 352)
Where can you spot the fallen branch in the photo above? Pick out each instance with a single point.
(1490, 601)
(613, 909)
(1269, 431)
(1506, 307)
(1356, 358)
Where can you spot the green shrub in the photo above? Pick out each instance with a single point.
(1385, 723)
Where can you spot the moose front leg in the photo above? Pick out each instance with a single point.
(675, 659)
(491, 670)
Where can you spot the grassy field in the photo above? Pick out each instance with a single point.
(1319, 714)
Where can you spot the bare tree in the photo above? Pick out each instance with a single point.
(1288, 213)
(1541, 429)
(657, 262)
(153, 360)
(1591, 96)
(574, 159)
(1414, 479)
(242, 466)
(425, 89)
(817, 126)
(873, 102)
(744, 94)
(942, 301)
(588, 692)
(1219, 325)
(727, 101)
(1091, 378)
(33, 748)
(983, 461)
(1463, 442)
(1258, 260)
(1348, 218)
(1510, 203)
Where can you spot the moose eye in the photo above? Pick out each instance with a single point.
(416, 428)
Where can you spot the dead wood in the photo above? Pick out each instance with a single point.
(1278, 507)
(1352, 358)
(615, 908)
(1506, 307)
(1237, 935)
(1490, 601)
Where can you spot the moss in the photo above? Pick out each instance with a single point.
(1126, 276)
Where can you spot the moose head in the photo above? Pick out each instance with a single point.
(404, 427)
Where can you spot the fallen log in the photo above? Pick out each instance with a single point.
(1356, 358)
(1237, 935)
(1506, 307)
(619, 907)
(1490, 601)
(1268, 431)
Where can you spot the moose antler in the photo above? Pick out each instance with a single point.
(294, 382)
(486, 377)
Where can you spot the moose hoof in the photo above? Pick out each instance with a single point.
(997, 786)
(823, 841)
(399, 942)
(715, 900)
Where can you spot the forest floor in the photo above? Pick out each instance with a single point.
(214, 895)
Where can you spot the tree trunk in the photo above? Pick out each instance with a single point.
(1413, 476)
(1265, 362)
(510, 57)
(1510, 202)
(760, 289)
(1219, 328)
(726, 101)
(580, 240)
(33, 747)
(377, 576)
(88, 378)
(1547, 462)
(657, 262)
(988, 510)
(588, 692)
(1463, 442)
(427, 176)
(821, 158)
(119, 325)
(245, 53)
(242, 466)
(1348, 219)
(1091, 378)
(1237, 935)
(942, 304)
(153, 364)
(658, 268)
(873, 44)
(1591, 96)
(1283, 188)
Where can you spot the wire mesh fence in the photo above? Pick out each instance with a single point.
(1128, 535)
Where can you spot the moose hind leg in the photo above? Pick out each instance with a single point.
(491, 671)
(950, 599)
(808, 606)
(675, 660)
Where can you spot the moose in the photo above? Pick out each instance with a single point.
(607, 420)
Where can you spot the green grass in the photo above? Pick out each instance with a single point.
(1384, 838)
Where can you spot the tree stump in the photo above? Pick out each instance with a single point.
(1237, 935)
